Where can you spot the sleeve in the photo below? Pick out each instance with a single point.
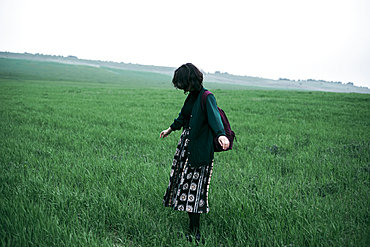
(213, 115)
(178, 122)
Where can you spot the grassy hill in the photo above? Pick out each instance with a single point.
(50, 71)
(102, 71)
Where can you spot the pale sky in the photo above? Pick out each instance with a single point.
(315, 39)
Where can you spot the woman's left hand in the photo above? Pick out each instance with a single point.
(224, 142)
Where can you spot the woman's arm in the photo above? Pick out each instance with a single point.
(178, 122)
(176, 125)
(214, 120)
(165, 133)
(213, 115)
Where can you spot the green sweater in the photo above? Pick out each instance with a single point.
(203, 128)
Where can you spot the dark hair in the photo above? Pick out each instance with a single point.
(187, 75)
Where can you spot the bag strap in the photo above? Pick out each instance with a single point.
(204, 98)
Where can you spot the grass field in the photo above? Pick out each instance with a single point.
(82, 163)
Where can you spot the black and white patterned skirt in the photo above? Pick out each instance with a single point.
(188, 186)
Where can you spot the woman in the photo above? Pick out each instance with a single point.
(193, 162)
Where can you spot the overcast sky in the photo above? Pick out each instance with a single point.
(315, 39)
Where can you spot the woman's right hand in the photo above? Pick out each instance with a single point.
(165, 133)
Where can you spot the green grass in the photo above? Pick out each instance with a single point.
(50, 71)
(82, 163)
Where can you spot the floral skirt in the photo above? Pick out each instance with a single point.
(188, 186)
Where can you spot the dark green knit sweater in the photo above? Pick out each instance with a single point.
(202, 129)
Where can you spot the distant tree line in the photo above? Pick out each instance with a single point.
(41, 54)
(218, 72)
(339, 82)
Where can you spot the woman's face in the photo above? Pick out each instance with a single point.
(181, 86)
(187, 89)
